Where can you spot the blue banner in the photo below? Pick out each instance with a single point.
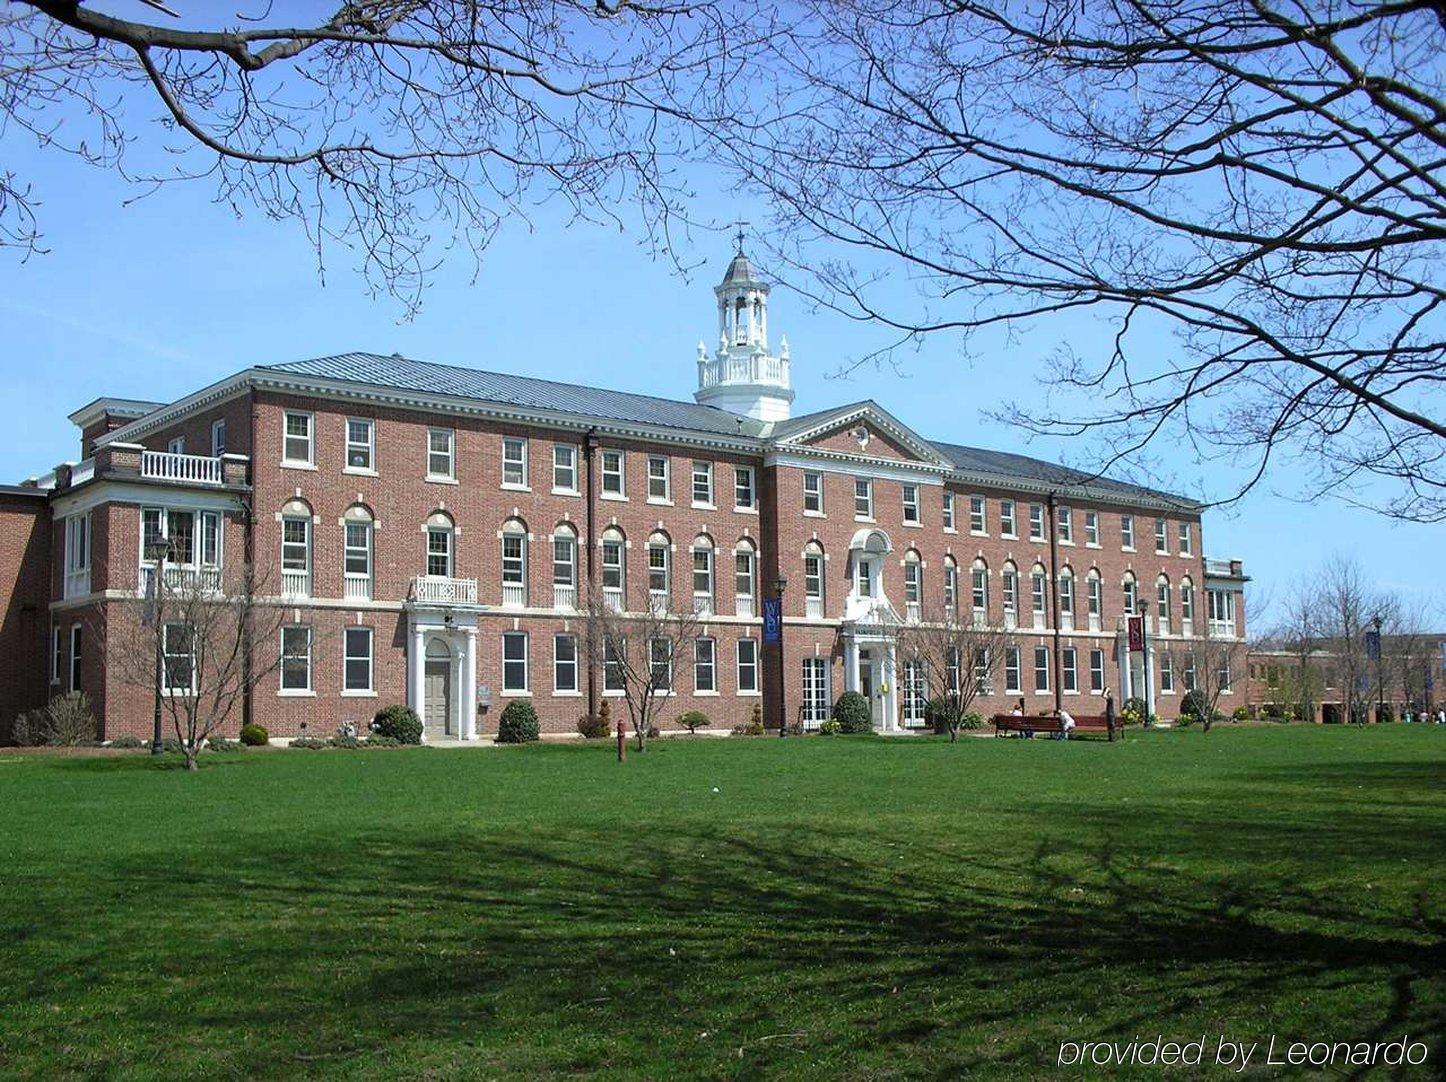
(772, 620)
(1373, 645)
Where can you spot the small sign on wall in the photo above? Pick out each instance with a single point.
(484, 695)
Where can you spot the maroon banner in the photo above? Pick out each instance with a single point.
(1137, 634)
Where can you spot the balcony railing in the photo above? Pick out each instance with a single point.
(613, 598)
(1222, 629)
(77, 583)
(564, 596)
(743, 369)
(295, 583)
(514, 595)
(813, 608)
(1094, 621)
(911, 611)
(357, 587)
(191, 469)
(1039, 621)
(743, 604)
(703, 604)
(1066, 621)
(980, 619)
(1011, 619)
(440, 590)
(181, 578)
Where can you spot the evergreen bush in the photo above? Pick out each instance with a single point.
(518, 724)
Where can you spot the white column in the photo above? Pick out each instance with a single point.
(891, 700)
(468, 728)
(417, 667)
(851, 665)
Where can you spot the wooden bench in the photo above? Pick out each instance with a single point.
(1049, 725)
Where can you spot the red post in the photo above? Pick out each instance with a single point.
(622, 741)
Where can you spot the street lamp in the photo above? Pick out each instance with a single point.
(779, 585)
(1376, 623)
(157, 551)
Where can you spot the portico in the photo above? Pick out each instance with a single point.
(442, 673)
(868, 629)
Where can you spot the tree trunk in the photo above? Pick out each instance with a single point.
(191, 759)
(954, 734)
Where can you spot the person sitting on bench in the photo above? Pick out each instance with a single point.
(1066, 723)
(1018, 712)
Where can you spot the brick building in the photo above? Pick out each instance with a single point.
(431, 532)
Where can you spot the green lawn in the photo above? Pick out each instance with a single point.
(828, 908)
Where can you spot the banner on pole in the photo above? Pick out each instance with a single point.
(1136, 628)
(772, 620)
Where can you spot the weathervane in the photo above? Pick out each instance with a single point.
(738, 238)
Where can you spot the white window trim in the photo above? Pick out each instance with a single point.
(218, 448)
(562, 490)
(309, 462)
(576, 688)
(371, 447)
(281, 689)
(526, 689)
(371, 658)
(516, 486)
(449, 478)
(621, 495)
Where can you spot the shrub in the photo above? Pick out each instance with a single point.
(831, 727)
(971, 720)
(596, 726)
(310, 743)
(1194, 706)
(941, 714)
(20, 729)
(853, 713)
(400, 723)
(693, 720)
(654, 732)
(126, 742)
(518, 724)
(755, 722)
(1133, 711)
(64, 722)
(376, 740)
(220, 743)
(347, 741)
(1241, 713)
(1385, 712)
(255, 736)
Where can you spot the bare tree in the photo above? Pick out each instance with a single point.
(1210, 667)
(396, 128)
(639, 654)
(1299, 632)
(195, 641)
(961, 658)
(1408, 652)
(1348, 607)
(1265, 179)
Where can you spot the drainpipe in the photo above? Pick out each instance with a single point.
(589, 449)
(248, 535)
(1054, 598)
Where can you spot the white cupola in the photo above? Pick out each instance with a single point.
(743, 376)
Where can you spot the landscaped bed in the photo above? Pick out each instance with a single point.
(819, 907)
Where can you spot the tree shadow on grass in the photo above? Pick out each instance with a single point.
(703, 951)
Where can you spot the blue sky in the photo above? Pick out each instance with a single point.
(161, 296)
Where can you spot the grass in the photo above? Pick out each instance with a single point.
(826, 908)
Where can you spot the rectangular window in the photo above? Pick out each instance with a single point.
(1127, 532)
(658, 487)
(703, 483)
(297, 446)
(181, 532)
(218, 438)
(178, 658)
(1036, 589)
(947, 515)
(1011, 669)
(743, 496)
(979, 588)
(55, 654)
(982, 678)
(1097, 671)
(612, 474)
(1186, 547)
(1064, 519)
(660, 664)
(439, 552)
(976, 514)
(75, 657)
(295, 544)
(1069, 672)
(296, 658)
(813, 583)
(1041, 668)
(77, 555)
(658, 568)
(357, 556)
(360, 444)
(1036, 522)
(1092, 528)
(1167, 673)
(1162, 536)
(564, 560)
(614, 676)
(357, 659)
(813, 493)
(177, 445)
(705, 676)
(514, 462)
(514, 661)
(863, 498)
(743, 574)
(916, 692)
(702, 572)
(1007, 523)
(747, 665)
(1224, 676)
(564, 467)
(911, 503)
(612, 564)
(815, 690)
(564, 663)
(441, 447)
(210, 531)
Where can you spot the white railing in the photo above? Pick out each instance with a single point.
(911, 611)
(295, 583)
(658, 603)
(1094, 621)
(192, 469)
(743, 604)
(743, 369)
(703, 604)
(1066, 621)
(1011, 619)
(514, 595)
(1163, 626)
(1222, 629)
(981, 619)
(183, 578)
(613, 598)
(1039, 621)
(813, 608)
(1187, 628)
(77, 583)
(357, 587)
(564, 596)
(440, 590)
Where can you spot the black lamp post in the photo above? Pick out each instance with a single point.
(157, 551)
(779, 585)
(1376, 623)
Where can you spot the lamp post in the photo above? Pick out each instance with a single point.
(1376, 623)
(779, 585)
(157, 551)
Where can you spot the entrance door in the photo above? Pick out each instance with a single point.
(867, 682)
(438, 698)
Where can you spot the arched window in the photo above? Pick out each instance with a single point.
(514, 563)
(358, 538)
(979, 591)
(813, 580)
(614, 568)
(1009, 588)
(296, 549)
(1038, 581)
(913, 584)
(564, 566)
(745, 576)
(1066, 598)
(1162, 603)
(441, 534)
(1131, 593)
(1187, 606)
(703, 574)
(951, 587)
(1094, 588)
(660, 570)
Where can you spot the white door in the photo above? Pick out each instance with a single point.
(438, 698)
